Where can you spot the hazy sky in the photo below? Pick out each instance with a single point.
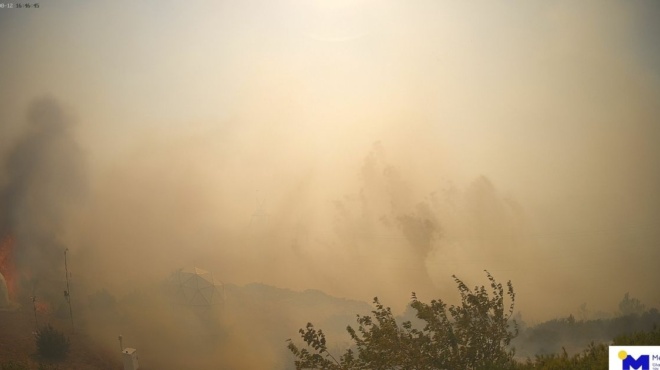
(292, 142)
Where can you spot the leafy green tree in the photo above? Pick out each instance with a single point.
(472, 335)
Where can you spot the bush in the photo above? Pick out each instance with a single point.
(649, 338)
(473, 335)
(51, 343)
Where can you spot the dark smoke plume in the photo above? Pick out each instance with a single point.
(44, 176)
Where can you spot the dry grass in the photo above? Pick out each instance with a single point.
(17, 345)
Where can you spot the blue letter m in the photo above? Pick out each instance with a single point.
(642, 363)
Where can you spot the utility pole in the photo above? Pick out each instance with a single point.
(67, 293)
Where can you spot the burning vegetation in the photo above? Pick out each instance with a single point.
(44, 177)
(7, 270)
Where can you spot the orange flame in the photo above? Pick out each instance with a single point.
(7, 264)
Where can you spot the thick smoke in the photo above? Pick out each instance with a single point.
(409, 240)
(44, 176)
(238, 137)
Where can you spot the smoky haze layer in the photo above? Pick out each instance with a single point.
(204, 125)
(43, 177)
(364, 148)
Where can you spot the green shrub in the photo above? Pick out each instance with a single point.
(472, 335)
(51, 343)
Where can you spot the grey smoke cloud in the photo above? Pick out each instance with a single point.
(44, 178)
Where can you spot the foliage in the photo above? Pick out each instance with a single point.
(13, 365)
(549, 337)
(644, 338)
(43, 366)
(595, 356)
(52, 343)
(472, 335)
(475, 334)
